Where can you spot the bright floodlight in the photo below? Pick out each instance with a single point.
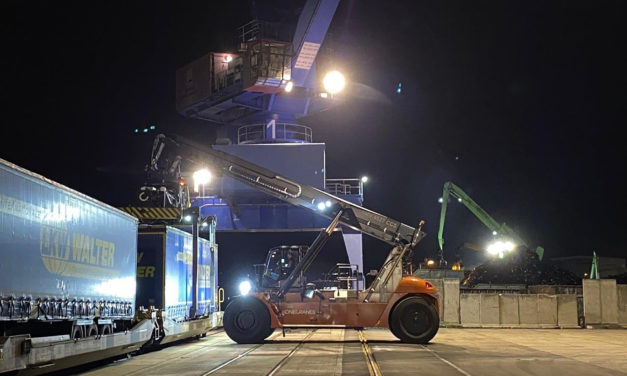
(494, 233)
(499, 248)
(244, 287)
(364, 179)
(459, 199)
(228, 58)
(328, 204)
(289, 86)
(188, 218)
(321, 206)
(440, 200)
(334, 82)
(201, 177)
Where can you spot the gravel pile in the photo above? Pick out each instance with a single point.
(520, 267)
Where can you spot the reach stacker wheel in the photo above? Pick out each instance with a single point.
(414, 320)
(247, 320)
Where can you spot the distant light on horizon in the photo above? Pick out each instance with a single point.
(364, 179)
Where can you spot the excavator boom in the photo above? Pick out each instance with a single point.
(450, 189)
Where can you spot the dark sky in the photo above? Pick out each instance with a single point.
(521, 103)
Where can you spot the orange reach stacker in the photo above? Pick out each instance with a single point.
(407, 305)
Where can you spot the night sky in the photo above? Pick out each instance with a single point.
(520, 103)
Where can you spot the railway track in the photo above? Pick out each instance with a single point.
(186, 353)
(371, 361)
(373, 366)
(275, 369)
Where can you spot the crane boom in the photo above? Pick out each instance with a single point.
(323, 203)
(311, 29)
(450, 189)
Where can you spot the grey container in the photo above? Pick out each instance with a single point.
(62, 254)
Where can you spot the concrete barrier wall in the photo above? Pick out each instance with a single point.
(469, 308)
(567, 312)
(448, 288)
(621, 292)
(450, 302)
(506, 310)
(518, 310)
(600, 301)
(604, 303)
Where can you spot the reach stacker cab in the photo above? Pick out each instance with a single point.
(407, 305)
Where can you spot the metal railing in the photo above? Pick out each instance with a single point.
(283, 132)
(344, 186)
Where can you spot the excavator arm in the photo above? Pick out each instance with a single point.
(452, 190)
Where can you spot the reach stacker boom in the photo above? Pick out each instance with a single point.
(407, 305)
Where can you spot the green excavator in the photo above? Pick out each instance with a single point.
(501, 230)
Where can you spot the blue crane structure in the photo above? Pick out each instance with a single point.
(255, 97)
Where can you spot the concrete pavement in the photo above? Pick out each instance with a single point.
(454, 352)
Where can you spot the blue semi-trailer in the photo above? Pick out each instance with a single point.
(164, 271)
(73, 274)
(64, 257)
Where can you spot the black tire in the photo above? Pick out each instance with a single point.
(270, 331)
(247, 320)
(414, 320)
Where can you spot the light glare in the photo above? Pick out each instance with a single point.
(500, 248)
(244, 287)
(201, 177)
(334, 82)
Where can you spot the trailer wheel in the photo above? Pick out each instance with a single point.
(247, 320)
(414, 320)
